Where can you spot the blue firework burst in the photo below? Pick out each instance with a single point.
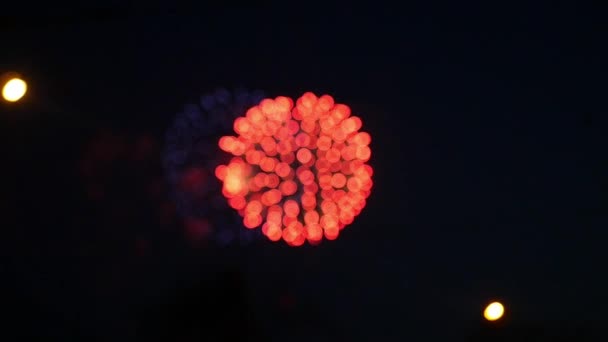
(189, 160)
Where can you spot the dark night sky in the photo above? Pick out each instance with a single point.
(487, 128)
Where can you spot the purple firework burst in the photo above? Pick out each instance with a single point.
(190, 157)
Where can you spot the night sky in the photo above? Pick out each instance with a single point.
(487, 132)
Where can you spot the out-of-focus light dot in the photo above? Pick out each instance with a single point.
(14, 90)
(494, 311)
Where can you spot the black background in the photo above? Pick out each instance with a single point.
(487, 126)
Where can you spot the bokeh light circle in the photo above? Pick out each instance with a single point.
(298, 170)
(14, 89)
(494, 311)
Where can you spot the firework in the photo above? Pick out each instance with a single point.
(298, 172)
(190, 158)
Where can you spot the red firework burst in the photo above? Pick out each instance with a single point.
(299, 172)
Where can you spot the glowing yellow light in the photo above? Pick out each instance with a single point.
(494, 311)
(234, 183)
(14, 90)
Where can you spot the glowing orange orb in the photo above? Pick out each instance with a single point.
(494, 311)
(298, 171)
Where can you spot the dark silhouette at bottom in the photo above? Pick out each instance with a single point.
(216, 309)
